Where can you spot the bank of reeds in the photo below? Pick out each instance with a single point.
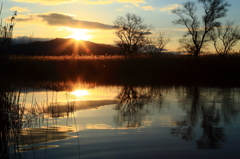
(140, 69)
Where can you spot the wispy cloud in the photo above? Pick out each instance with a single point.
(128, 6)
(170, 7)
(57, 2)
(19, 10)
(131, 1)
(148, 7)
(134, 4)
(111, 1)
(47, 2)
(97, 1)
(137, 5)
(62, 20)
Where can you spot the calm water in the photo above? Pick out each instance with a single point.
(119, 122)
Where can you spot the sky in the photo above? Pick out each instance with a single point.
(92, 20)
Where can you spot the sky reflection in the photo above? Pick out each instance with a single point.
(140, 119)
(79, 93)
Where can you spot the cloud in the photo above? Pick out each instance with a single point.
(131, 1)
(19, 10)
(128, 6)
(97, 1)
(47, 2)
(62, 20)
(111, 1)
(136, 5)
(170, 7)
(57, 2)
(148, 8)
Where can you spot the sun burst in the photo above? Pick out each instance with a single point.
(80, 34)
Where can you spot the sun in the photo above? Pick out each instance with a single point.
(80, 34)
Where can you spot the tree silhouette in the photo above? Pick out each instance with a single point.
(157, 43)
(196, 37)
(224, 38)
(132, 33)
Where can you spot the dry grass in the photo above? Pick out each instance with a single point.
(174, 69)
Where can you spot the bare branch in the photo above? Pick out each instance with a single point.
(199, 35)
(224, 38)
(132, 33)
(157, 43)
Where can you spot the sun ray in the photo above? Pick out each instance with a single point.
(80, 34)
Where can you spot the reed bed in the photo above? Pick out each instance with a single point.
(175, 69)
(18, 121)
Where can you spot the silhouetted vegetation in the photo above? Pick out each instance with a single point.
(157, 44)
(132, 33)
(143, 69)
(197, 36)
(11, 112)
(6, 30)
(174, 69)
(224, 38)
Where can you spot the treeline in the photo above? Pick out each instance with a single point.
(135, 36)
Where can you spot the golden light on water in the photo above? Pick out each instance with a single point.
(80, 34)
(79, 93)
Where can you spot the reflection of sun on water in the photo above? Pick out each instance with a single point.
(79, 93)
(80, 34)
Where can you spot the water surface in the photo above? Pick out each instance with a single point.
(119, 122)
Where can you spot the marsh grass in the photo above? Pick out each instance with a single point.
(19, 121)
(11, 119)
(15, 117)
(175, 69)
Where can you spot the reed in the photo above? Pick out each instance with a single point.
(175, 69)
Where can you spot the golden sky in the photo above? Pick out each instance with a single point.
(93, 19)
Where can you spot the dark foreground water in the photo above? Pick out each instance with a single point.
(121, 122)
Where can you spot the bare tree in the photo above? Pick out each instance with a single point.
(157, 43)
(132, 33)
(188, 46)
(213, 10)
(224, 38)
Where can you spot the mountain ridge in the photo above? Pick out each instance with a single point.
(61, 46)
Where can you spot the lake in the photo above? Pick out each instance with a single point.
(93, 121)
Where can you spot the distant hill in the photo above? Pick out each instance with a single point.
(57, 47)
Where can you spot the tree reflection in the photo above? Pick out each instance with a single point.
(132, 106)
(190, 104)
(210, 109)
(212, 136)
(230, 103)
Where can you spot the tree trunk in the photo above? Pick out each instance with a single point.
(196, 54)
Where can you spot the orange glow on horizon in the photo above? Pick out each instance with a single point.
(80, 34)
